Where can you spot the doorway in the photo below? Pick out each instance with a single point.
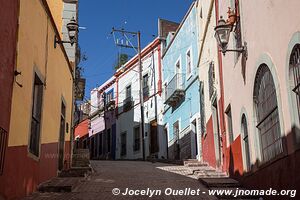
(153, 137)
(61, 142)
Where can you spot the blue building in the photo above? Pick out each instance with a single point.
(181, 89)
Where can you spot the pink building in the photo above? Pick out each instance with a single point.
(102, 132)
(261, 93)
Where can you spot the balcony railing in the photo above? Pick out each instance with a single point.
(174, 91)
(110, 105)
(127, 104)
(146, 92)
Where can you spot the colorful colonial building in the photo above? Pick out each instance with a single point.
(181, 111)
(102, 129)
(130, 144)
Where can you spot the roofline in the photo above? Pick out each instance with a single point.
(129, 64)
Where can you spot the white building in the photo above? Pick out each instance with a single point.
(129, 135)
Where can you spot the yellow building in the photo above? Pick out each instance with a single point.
(41, 113)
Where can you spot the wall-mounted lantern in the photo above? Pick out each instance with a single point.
(72, 28)
(222, 34)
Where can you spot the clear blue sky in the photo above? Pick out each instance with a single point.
(99, 16)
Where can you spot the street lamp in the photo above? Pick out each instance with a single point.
(72, 28)
(222, 34)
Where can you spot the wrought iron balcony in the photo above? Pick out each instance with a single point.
(110, 105)
(174, 91)
(127, 104)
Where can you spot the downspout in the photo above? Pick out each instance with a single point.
(223, 128)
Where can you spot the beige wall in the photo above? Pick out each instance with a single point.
(36, 52)
(56, 8)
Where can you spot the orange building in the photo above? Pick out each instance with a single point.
(38, 144)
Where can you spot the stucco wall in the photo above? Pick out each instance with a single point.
(126, 121)
(36, 53)
(185, 39)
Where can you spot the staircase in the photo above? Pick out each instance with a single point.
(81, 158)
(215, 179)
(68, 179)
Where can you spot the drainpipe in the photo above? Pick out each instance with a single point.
(223, 127)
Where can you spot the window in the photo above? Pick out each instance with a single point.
(176, 138)
(176, 131)
(246, 142)
(202, 109)
(268, 124)
(145, 86)
(136, 132)
(128, 99)
(128, 91)
(178, 67)
(295, 77)
(188, 63)
(123, 144)
(211, 79)
(229, 124)
(62, 136)
(109, 96)
(34, 144)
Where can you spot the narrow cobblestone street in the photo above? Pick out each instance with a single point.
(135, 175)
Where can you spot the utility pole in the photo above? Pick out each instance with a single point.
(138, 49)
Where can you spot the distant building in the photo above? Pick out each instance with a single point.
(181, 111)
(81, 134)
(102, 132)
(129, 135)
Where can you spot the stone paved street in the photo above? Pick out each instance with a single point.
(133, 175)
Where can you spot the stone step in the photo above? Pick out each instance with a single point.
(59, 184)
(76, 172)
(194, 163)
(222, 182)
(78, 151)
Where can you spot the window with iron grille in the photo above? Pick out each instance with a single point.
(202, 109)
(229, 124)
(188, 63)
(128, 91)
(136, 132)
(211, 79)
(268, 124)
(123, 144)
(295, 76)
(34, 143)
(246, 142)
(3, 138)
(145, 86)
(176, 131)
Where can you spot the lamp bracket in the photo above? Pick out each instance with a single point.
(242, 50)
(57, 41)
